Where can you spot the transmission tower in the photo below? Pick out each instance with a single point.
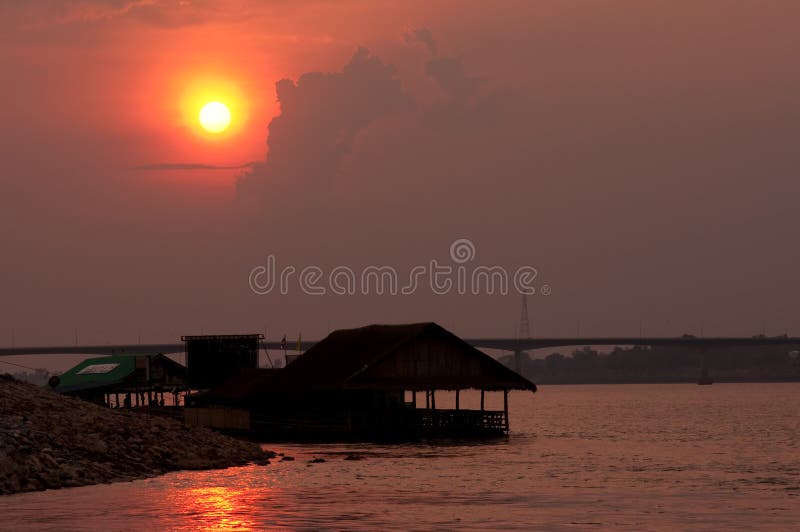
(524, 323)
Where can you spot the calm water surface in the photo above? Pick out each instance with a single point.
(605, 457)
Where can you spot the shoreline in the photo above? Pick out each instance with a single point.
(49, 441)
(567, 382)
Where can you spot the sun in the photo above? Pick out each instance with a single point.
(211, 108)
(215, 117)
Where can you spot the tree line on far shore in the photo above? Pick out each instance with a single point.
(37, 376)
(661, 364)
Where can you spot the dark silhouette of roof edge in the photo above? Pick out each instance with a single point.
(407, 333)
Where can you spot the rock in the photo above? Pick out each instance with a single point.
(47, 460)
(316, 461)
(353, 457)
(62, 442)
(97, 446)
(286, 458)
(32, 485)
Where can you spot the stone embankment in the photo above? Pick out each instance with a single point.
(50, 441)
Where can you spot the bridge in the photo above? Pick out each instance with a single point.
(515, 345)
(525, 344)
(128, 349)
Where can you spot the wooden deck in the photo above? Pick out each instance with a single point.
(403, 424)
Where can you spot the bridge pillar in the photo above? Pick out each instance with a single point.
(519, 357)
(704, 377)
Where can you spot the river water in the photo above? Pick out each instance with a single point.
(628, 457)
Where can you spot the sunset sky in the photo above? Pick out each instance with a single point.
(643, 156)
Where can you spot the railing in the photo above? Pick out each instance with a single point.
(457, 421)
(401, 423)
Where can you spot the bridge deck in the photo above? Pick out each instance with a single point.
(504, 344)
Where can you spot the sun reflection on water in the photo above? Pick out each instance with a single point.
(217, 508)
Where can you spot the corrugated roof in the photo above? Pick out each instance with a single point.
(97, 372)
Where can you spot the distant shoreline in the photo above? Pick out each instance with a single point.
(545, 382)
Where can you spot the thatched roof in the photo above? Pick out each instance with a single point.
(419, 356)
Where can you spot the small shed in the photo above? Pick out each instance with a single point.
(212, 359)
(355, 382)
(143, 379)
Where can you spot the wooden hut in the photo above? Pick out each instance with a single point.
(354, 384)
(108, 380)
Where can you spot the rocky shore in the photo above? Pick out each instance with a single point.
(49, 441)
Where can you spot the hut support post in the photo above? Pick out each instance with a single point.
(481, 400)
(414, 398)
(433, 399)
(505, 409)
(427, 399)
(457, 399)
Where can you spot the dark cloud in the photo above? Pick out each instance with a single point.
(44, 13)
(451, 77)
(161, 13)
(423, 36)
(359, 128)
(448, 72)
(352, 155)
(190, 166)
(321, 114)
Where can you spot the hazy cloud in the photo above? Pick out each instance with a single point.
(46, 13)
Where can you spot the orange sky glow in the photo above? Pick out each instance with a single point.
(638, 153)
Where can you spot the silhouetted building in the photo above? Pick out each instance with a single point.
(103, 380)
(212, 359)
(353, 384)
